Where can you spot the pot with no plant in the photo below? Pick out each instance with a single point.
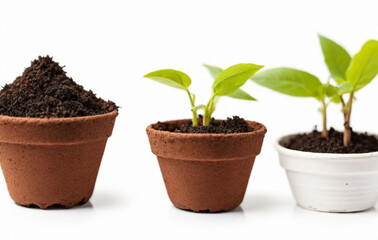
(329, 170)
(52, 137)
(206, 163)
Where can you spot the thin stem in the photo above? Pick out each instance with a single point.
(208, 112)
(192, 102)
(342, 106)
(347, 115)
(342, 102)
(324, 113)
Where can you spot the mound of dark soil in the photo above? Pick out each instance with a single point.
(45, 91)
(231, 125)
(314, 142)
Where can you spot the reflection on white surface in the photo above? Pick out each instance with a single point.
(263, 203)
(299, 211)
(176, 214)
(108, 199)
(87, 205)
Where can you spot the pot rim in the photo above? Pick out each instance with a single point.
(262, 129)
(55, 119)
(283, 150)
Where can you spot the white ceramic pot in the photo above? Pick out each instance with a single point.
(331, 182)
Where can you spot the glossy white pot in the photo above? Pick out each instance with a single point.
(330, 182)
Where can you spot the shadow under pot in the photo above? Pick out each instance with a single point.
(53, 162)
(206, 172)
(331, 182)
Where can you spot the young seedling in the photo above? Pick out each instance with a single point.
(350, 75)
(227, 83)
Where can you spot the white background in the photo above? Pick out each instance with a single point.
(108, 46)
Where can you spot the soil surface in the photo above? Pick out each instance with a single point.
(231, 125)
(314, 142)
(45, 91)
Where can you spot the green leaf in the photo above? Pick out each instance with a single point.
(199, 107)
(345, 87)
(290, 81)
(364, 65)
(240, 94)
(336, 99)
(331, 91)
(213, 70)
(336, 58)
(232, 78)
(171, 78)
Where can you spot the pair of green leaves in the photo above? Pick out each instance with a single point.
(215, 72)
(352, 74)
(232, 78)
(227, 82)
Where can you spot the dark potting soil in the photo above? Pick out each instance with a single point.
(45, 91)
(231, 125)
(314, 142)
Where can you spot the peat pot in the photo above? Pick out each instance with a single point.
(53, 162)
(331, 182)
(206, 172)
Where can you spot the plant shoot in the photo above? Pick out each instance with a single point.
(349, 75)
(227, 83)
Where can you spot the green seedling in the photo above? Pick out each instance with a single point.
(349, 74)
(227, 83)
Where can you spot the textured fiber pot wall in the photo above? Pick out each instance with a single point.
(206, 172)
(53, 162)
(331, 182)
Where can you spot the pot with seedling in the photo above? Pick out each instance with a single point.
(329, 170)
(206, 163)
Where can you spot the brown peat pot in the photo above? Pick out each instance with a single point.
(206, 172)
(53, 162)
